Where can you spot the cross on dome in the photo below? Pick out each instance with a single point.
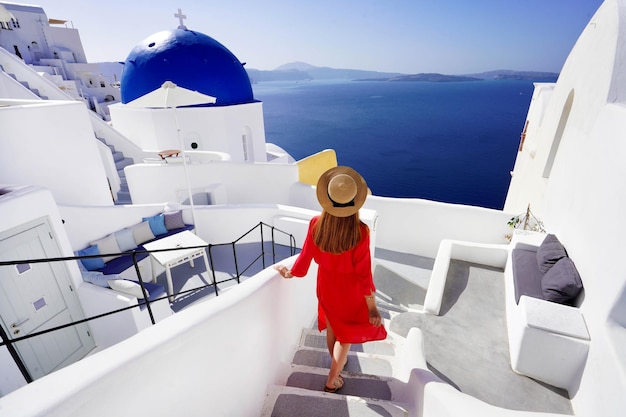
(180, 17)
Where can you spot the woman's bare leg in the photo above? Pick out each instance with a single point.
(330, 339)
(338, 355)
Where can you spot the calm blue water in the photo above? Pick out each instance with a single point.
(451, 142)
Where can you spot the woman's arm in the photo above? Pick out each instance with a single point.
(375, 318)
(302, 263)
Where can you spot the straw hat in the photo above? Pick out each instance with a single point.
(341, 191)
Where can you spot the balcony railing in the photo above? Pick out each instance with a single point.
(211, 248)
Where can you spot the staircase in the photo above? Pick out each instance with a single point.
(123, 196)
(377, 373)
(36, 86)
(368, 379)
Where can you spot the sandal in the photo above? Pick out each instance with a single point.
(337, 385)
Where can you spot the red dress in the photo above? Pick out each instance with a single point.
(343, 281)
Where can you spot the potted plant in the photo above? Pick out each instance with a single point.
(525, 221)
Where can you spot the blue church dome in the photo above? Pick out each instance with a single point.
(188, 59)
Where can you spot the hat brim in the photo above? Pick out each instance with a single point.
(327, 203)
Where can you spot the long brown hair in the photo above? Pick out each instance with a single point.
(337, 234)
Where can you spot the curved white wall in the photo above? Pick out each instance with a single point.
(583, 197)
(418, 226)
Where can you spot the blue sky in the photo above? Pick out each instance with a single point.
(407, 36)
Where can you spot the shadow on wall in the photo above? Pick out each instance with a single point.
(618, 312)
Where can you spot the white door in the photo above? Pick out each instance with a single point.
(39, 296)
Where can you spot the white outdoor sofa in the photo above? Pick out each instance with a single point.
(548, 337)
(548, 341)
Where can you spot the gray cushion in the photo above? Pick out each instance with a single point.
(174, 220)
(526, 275)
(549, 252)
(561, 283)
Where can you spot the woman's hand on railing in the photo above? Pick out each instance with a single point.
(282, 270)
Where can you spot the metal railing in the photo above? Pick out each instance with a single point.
(292, 251)
(5, 340)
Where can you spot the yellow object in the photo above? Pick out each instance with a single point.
(312, 167)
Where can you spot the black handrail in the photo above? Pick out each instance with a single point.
(292, 247)
(5, 340)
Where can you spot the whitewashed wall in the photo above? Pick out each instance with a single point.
(242, 183)
(583, 197)
(212, 128)
(214, 224)
(418, 226)
(40, 142)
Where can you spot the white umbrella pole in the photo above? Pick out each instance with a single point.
(182, 148)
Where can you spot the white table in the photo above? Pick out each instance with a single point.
(172, 258)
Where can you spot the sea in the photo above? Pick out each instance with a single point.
(453, 142)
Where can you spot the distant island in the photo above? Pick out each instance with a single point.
(426, 77)
(300, 71)
(537, 76)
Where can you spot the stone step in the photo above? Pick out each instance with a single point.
(122, 163)
(117, 155)
(315, 339)
(293, 401)
(388, 310)
(371, 386)
(358, 363)
(364, 386)
(123, 195)
(123, 198)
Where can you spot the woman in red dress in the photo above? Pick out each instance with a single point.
(339, 243)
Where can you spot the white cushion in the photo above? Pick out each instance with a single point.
(127, 287)
(107, 245)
